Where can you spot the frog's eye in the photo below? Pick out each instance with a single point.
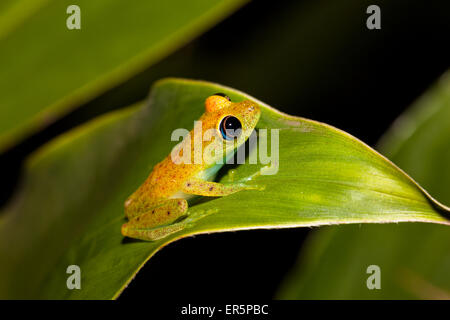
(222, 95)
(230, 127)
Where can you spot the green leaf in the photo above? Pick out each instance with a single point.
(69, 208)
(414, 258)
(57, 69)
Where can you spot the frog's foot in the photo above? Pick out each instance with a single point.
(253, 176)
(159, 207)
(197, 215)
(215, 189)
(156, 233)
(151, 224)
(187, 222)
(151, 234)
(259, 187)
(246, 186)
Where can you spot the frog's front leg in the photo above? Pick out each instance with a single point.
(156, 223)
(214, 189)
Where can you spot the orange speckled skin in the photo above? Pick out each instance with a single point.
(160, 200)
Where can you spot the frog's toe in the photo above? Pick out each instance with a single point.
(124, 230)
(255, 187)
(150, 234)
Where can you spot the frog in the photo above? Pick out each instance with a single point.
(159, 207)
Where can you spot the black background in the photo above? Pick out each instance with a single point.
(312, 58)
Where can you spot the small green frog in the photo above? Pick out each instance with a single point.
(159, 206)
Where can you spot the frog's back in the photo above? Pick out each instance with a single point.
(167, 178)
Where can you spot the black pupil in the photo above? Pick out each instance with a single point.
(230, 127)
(223, 95)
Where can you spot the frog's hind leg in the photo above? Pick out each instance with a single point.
(152, 234)
(152, 224)
(136, 206)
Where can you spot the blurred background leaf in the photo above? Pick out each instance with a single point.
(325, 177)
(414, 258)
(58, 69)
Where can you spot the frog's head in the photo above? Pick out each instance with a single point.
(232, 121)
